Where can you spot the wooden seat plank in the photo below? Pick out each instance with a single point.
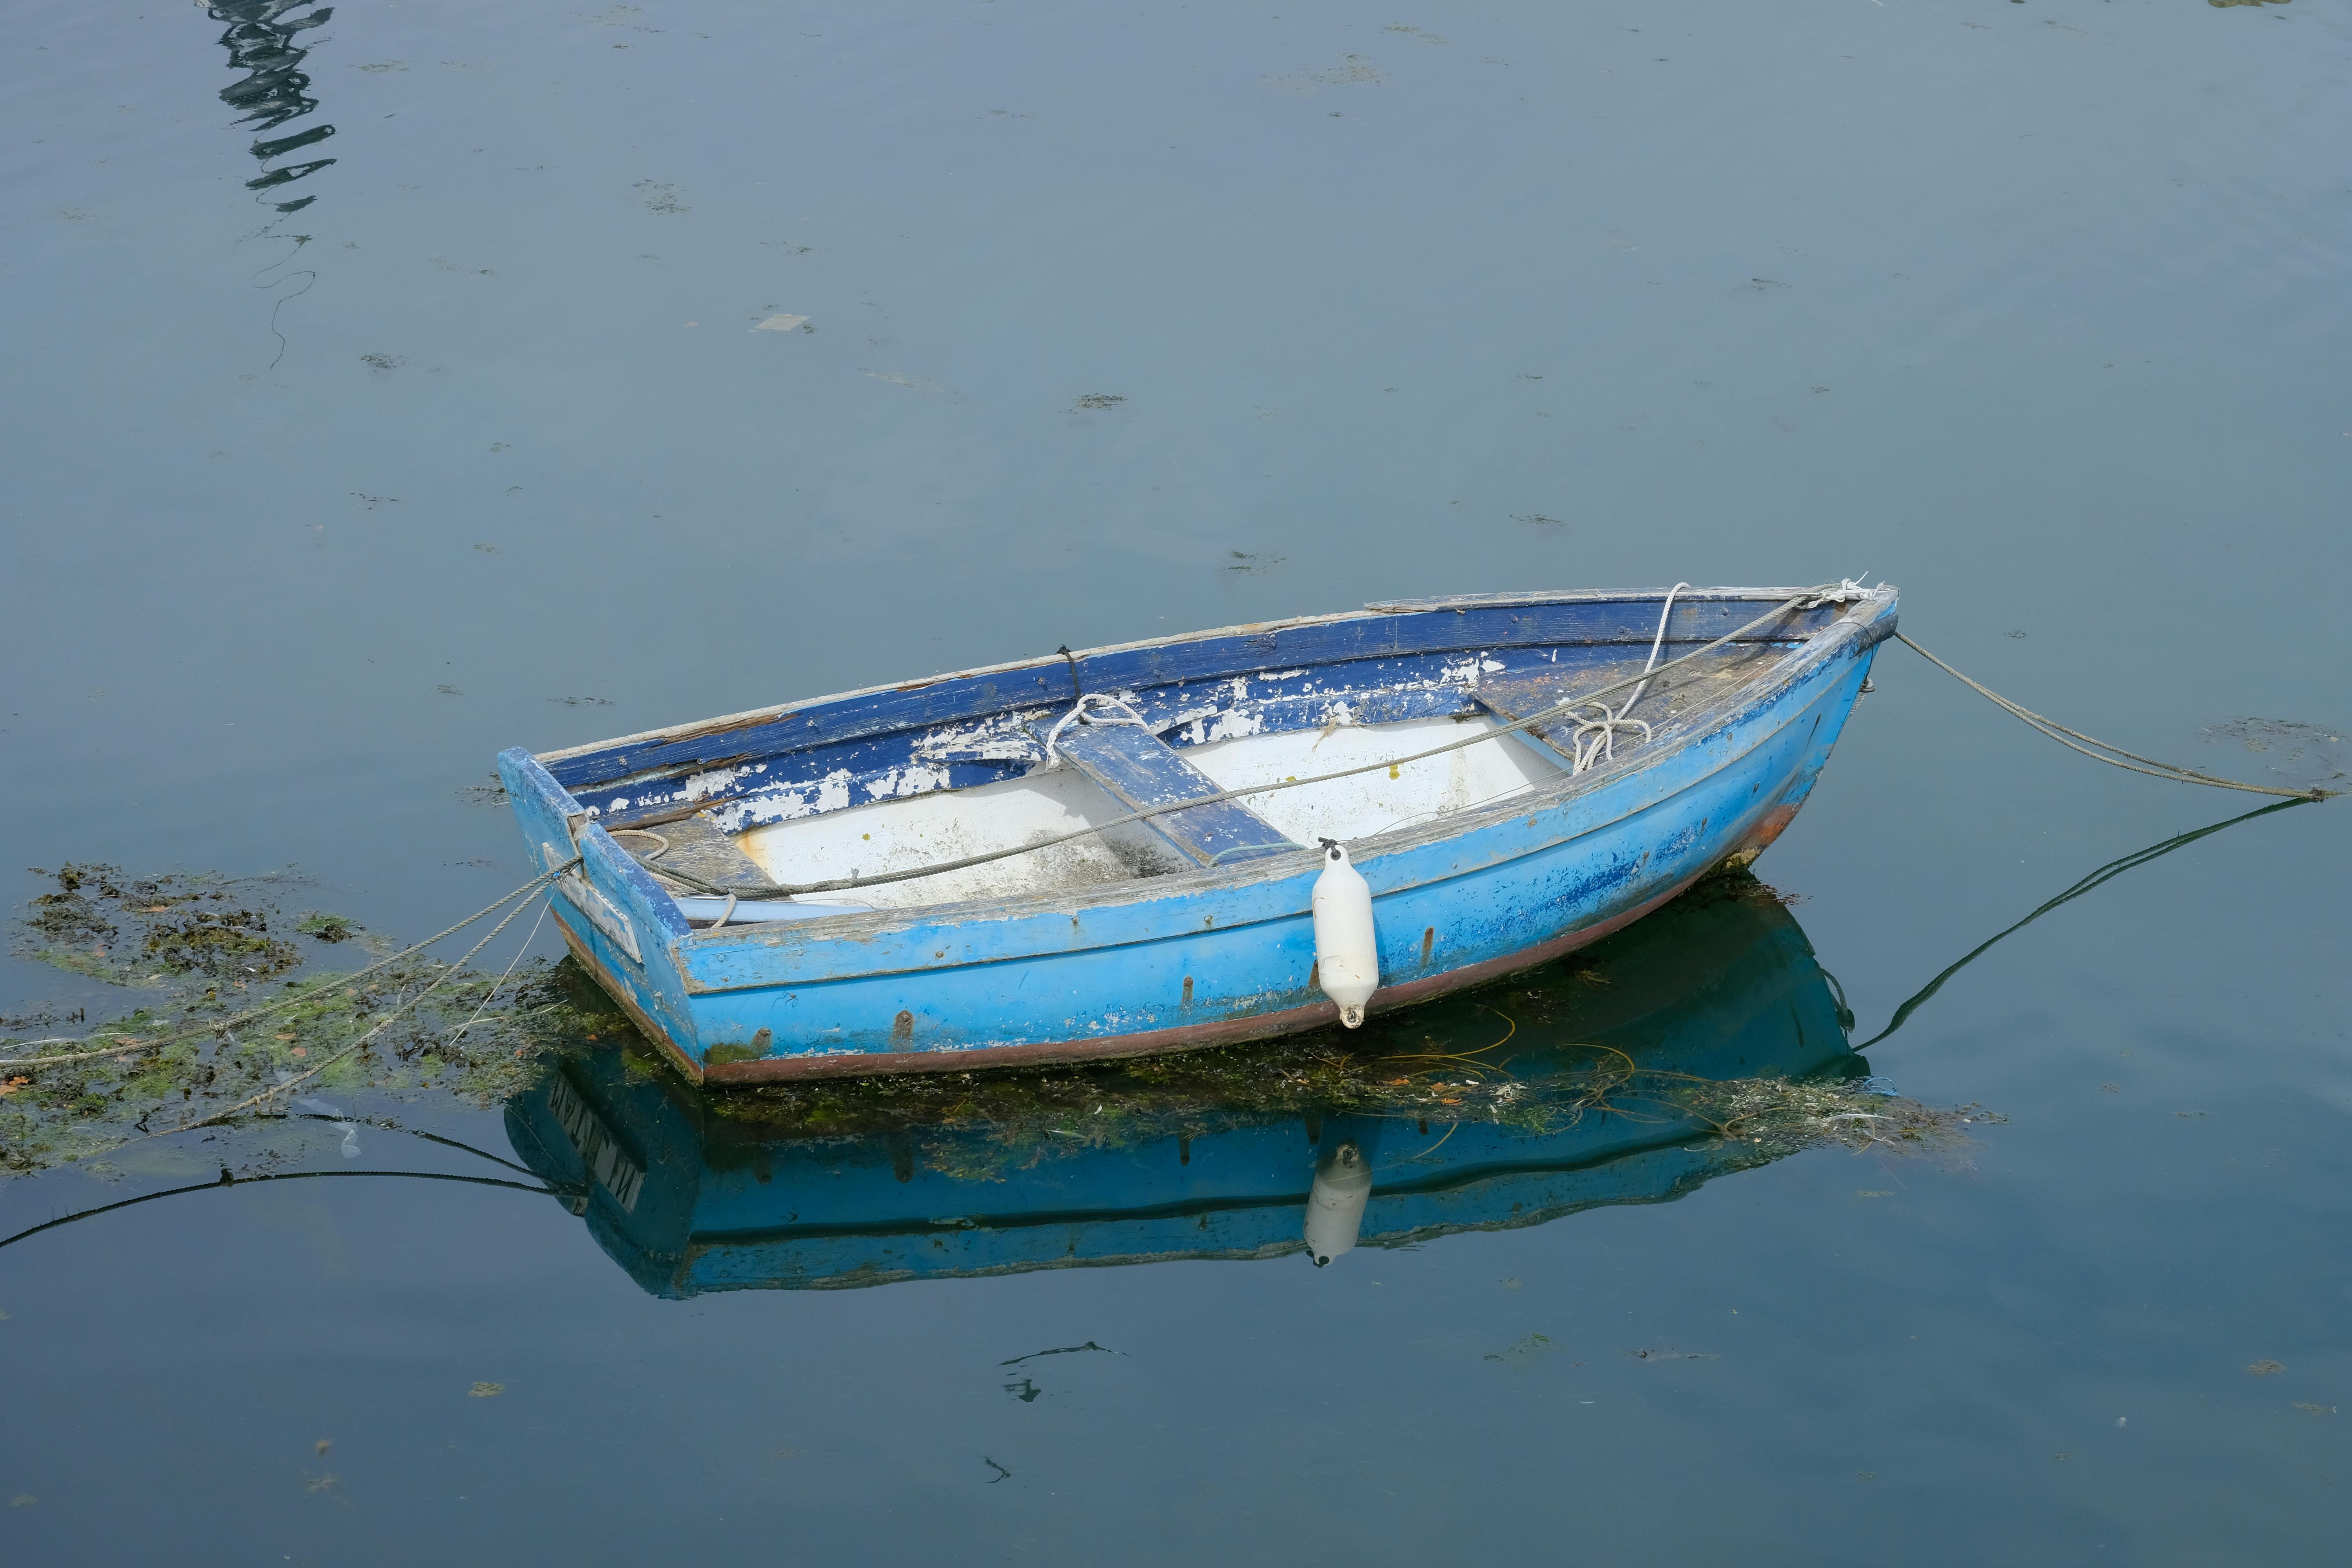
(1142, 771)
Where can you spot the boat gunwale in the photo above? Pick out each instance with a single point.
(724, 722)
(1703, 725)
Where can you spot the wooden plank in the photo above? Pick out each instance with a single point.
(1143, 771)
(1576, 597)
(695, 846)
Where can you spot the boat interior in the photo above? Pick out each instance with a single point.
(729, 815)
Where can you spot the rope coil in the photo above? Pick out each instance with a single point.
(1596, 738)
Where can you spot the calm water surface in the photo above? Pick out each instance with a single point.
(389, 387)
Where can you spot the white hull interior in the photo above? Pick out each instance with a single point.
(947, 825)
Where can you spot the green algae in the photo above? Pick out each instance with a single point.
(201, 951)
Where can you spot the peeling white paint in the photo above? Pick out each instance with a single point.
(911, 780)
(785, 805)
(999, 737)
(1466, 674)
(1226, 726)
(717, 781)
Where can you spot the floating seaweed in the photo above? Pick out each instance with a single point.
(207, 951)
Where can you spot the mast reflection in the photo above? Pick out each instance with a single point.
(260, 38)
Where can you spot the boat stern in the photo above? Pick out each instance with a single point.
(617, 920)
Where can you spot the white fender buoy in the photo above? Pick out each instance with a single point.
(1347, 953)
(1335, 1203)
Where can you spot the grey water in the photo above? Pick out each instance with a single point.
(388, 384)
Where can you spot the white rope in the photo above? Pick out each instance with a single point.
(493, 997)
(1595, 740)
(1076, 715)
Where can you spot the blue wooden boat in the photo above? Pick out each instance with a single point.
(1107, 853)
(690, 1195)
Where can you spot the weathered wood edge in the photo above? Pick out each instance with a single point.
(1509, 601)
(700, 727)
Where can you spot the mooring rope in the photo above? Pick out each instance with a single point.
(285, 1086)
(228, 1181)
(283, 1003)
(1808, 598)
(2105, 873)
(2135, 762)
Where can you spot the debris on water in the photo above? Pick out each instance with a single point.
(2296, 755)
(1063, 1350)
(1527, 1349)
(195, 946)
(660, 196)
(186, 925)
(2265, 1368)
(1354, 70)
(328, 929)
(1099, 400)
(485, 1391)
(1673, 1355)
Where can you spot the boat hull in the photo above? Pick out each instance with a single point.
(1198, 958)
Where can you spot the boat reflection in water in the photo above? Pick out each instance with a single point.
(1601, 1079)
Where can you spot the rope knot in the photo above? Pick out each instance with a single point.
(1076, 715)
